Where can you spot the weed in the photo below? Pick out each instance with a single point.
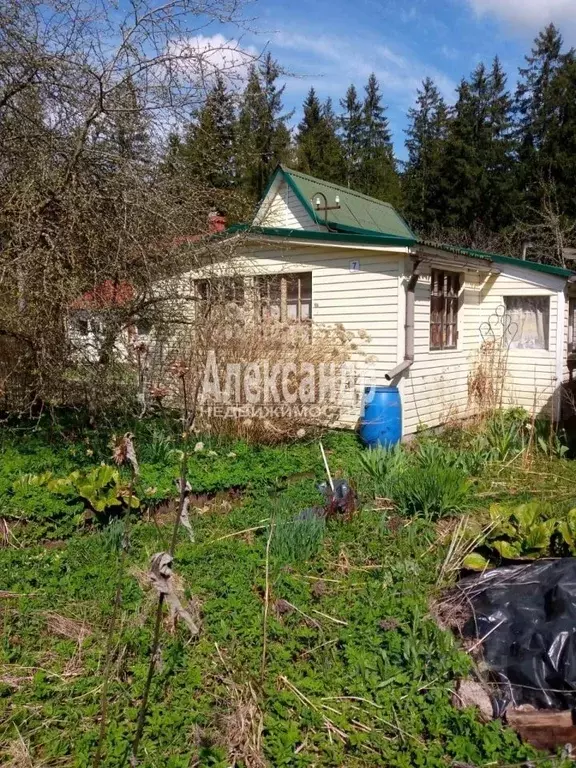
(434, 493)
(160, 449)
(298, 538)
(548, 441)
(436, 453)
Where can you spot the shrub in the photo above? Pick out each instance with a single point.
(436, 492)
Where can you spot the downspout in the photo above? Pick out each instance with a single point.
(408, 326)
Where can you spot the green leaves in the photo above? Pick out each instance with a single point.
(522, 532)
(476, 562)
(102, 488)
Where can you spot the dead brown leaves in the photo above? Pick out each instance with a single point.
(64, 626)
(242, 727)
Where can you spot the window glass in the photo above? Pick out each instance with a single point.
(444, 298)
(529, 321)
(287, 298)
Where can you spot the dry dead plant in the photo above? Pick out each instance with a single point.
(487, 380)
(64, 626)
(193, 605)
(17, 754)
(243, 726)
(232, 351)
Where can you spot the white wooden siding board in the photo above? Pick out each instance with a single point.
(286, 211)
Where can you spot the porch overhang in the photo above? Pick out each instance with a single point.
(445, 259)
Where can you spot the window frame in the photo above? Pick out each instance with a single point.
(445, 318)
(279, 296)
(220, 286)
(531, 297)
(571, 330)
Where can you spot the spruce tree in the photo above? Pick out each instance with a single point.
(426, 137)
(477, 186)
(263, 134)
(351, 134)
(534, 106)
(123, 131)
(378, 167)
(459, 184)
(501, 200)
(209, 147)
(318, 149)
(557, 151)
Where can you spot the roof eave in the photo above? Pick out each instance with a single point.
(360, 237)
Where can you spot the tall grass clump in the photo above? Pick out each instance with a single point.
(433, 492)
(432, 454)
(383, 466)
(298, 538)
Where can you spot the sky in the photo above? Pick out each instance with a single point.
(329, 44)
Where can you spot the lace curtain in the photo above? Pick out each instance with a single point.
(530, 321)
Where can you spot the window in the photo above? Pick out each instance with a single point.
(444, 291)
(143, 326)
(86, 324)
(224, 290)
(286, 298)
(529, 321)
(80, 326)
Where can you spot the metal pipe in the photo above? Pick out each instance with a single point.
(408, 326)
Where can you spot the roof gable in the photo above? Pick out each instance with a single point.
(358, 213)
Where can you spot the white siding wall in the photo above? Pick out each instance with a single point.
(436, 386)
(531, 374)
(364, 302)
(282, 208)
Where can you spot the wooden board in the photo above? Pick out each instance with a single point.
(543, 729)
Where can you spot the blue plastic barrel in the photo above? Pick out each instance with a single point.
(382, 420)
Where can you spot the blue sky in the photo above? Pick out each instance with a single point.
(330, 43)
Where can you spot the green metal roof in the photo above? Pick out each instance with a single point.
(498, 258)
(357, 213)
(363, 219)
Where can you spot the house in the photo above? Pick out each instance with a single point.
(449, 326)
(456, 330)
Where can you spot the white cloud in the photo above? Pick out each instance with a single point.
(202, 57)
(331, 63)
(528, 14)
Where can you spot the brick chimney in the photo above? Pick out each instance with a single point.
(216, 222)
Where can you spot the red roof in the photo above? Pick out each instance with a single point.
(108, 294)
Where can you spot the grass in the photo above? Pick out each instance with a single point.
(356, 672)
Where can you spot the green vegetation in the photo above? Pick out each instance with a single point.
(355, 670)
(524, 532)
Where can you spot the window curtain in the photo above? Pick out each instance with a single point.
(529, 321)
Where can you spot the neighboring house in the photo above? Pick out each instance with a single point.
(326, 253)
(89, 318)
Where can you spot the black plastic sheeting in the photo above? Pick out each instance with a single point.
(527, 617)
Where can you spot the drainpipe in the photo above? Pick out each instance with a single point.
(408, 326)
